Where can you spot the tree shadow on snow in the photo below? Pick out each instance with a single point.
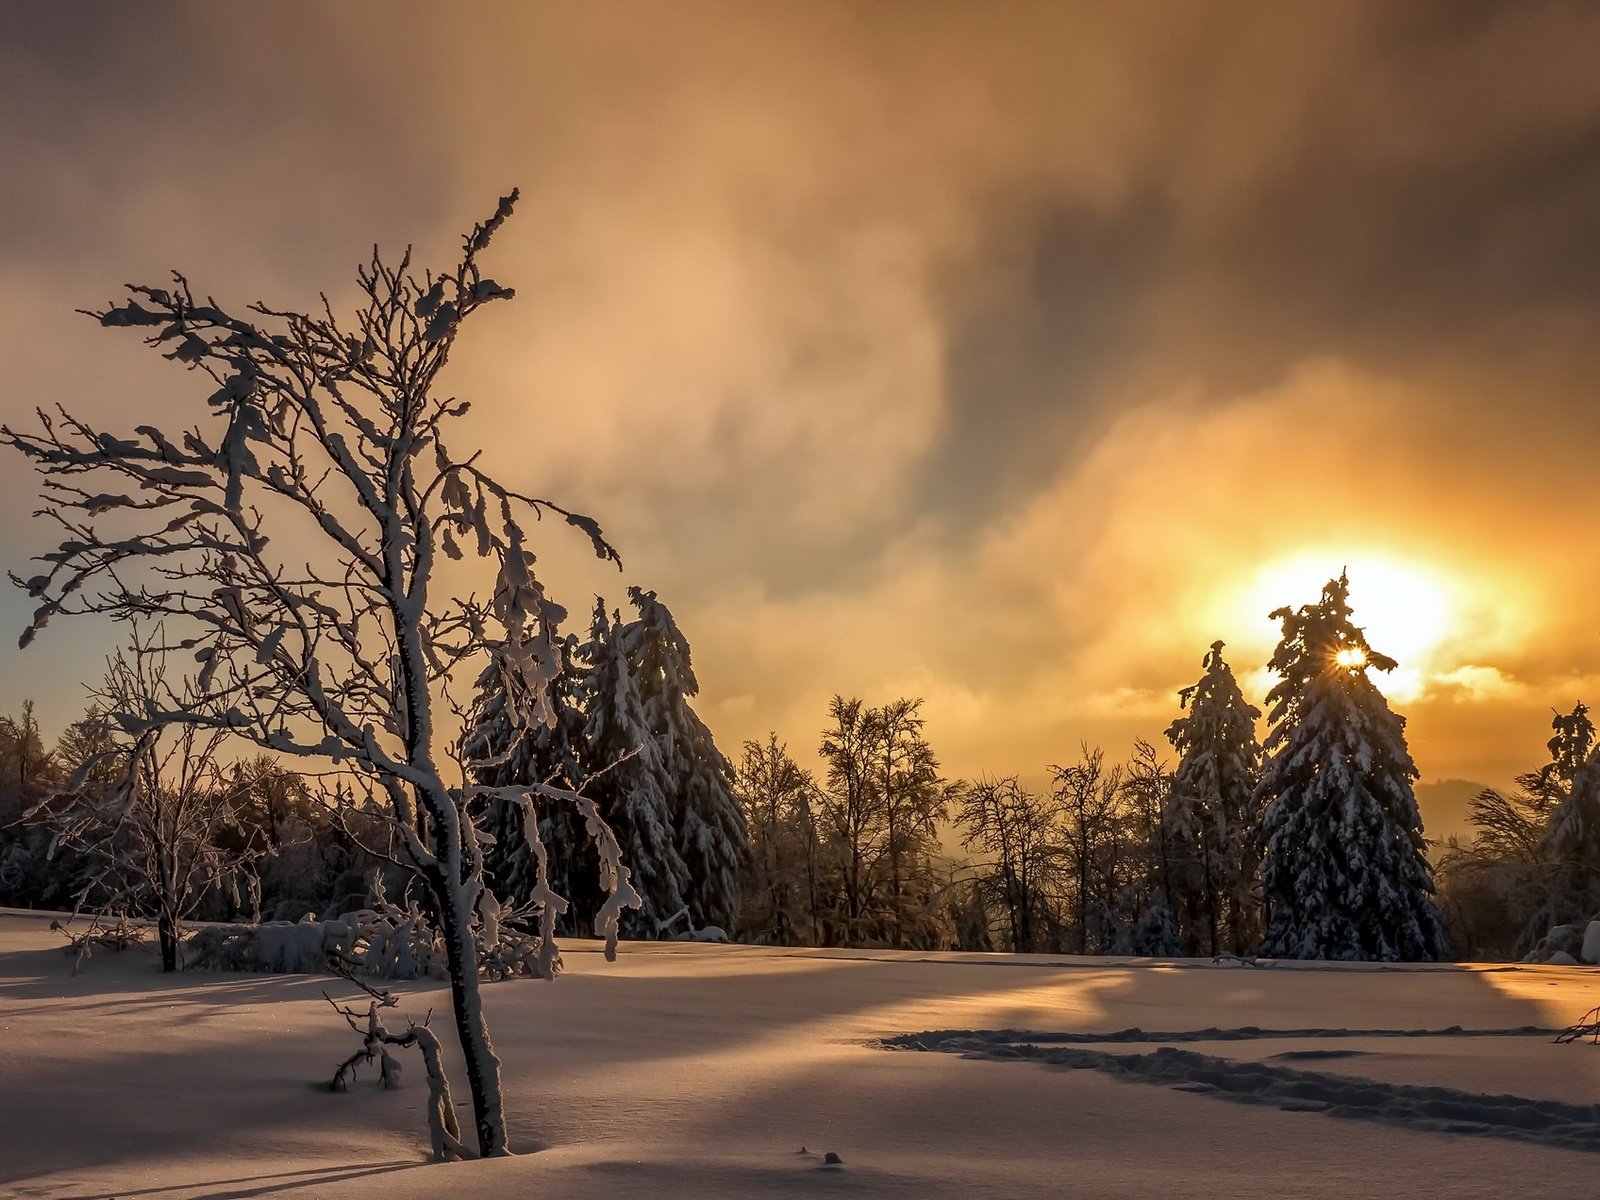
(271, 1183)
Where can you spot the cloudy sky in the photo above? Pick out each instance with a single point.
(1000, 355)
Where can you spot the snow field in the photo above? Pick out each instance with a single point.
(701, 1071)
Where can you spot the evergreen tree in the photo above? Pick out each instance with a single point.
(1568, 790)
(27, 768)
(1210, 816)
(697, 780)
(632, 781)
(1556, 787)
(1344, 874)
(1156, 935)
(546, 754)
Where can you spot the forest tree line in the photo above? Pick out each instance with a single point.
(1214, 844)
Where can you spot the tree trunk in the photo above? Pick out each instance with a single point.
(166, 917)
(167, 932)
(483, 1068)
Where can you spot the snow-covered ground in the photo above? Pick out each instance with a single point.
(701, 1071)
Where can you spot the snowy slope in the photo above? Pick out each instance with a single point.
(700, 1070)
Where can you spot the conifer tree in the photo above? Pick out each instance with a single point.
(1568, 789)
(506, 755)
(1344, 874)
(631, 780)
(697, 780)
(1570, 748)
(1210, 816)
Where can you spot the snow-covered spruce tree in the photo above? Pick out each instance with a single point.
(1571, 746)
(289, 539)
(696, 779)
(629, 779)
(1344, 874)
(1210, 816)
(507, 754)
(1568, 788)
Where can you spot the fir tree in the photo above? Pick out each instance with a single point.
(1568, 790)
(631, 780)
(548, 754)
(1210, 816)
(1344, 874)
(1570, 748)
(697, 779)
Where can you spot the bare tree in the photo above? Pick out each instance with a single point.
(1021, 834)
(155, 815)
(913, 796)
(852, 807)
(781, 879)
(292, 539)
(1088, 797)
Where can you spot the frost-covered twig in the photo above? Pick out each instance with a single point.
(376, 1041)
(118, 936)
(1587, 1027)
(1244, 960)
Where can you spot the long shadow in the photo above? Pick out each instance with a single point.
(590, 1023)
(1408, 1106)
(983, 1108)
(278, 1181)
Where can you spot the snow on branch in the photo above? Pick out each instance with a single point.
(376, 1041)
(288, 541)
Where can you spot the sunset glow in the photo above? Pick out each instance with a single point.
(1006, 363)
(1405, 610)
(765, 551)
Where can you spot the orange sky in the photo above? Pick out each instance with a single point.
(1003, 356)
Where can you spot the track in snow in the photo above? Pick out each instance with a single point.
(1433, 1109)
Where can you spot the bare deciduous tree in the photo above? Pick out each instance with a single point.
(1088, 796)
(781, 883)
(155, 815)
(291, 540)
(1020, 833)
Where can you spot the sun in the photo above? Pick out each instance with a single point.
(1351, 657)
(1407, 609)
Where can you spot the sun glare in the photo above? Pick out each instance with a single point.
(1406, 609)
(1351, 657)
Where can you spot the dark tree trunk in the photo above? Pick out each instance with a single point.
(483, 1067)
(166, 930)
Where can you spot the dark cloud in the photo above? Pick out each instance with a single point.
(927, 308)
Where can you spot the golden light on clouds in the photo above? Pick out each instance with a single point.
(1008, 362)
(1408, 611)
